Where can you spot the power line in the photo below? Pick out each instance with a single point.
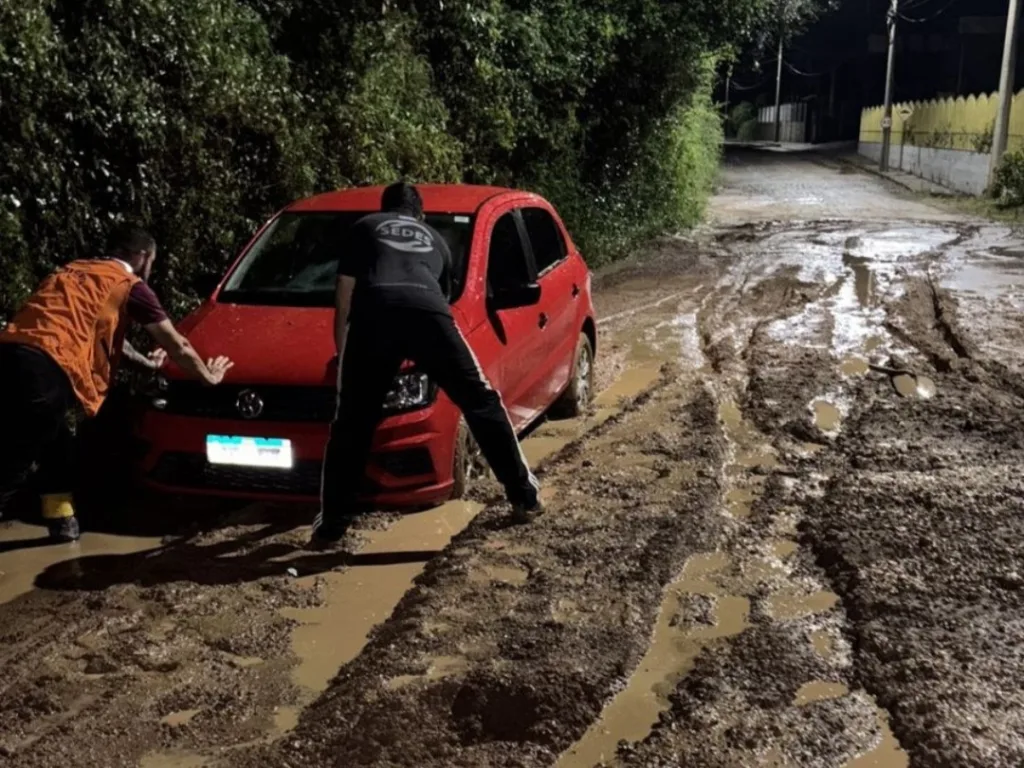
(925, 20)
(796, 71)
(737, 87)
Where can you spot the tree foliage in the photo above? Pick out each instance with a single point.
(202, 117)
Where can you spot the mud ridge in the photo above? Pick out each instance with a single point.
(900, 531)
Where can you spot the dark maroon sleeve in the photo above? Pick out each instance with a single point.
(144, 307)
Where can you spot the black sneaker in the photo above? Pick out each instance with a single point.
(330, 535)
(65, 531)
(522, 514)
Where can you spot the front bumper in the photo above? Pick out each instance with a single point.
(410, 462)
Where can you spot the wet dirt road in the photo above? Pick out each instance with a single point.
(789, 534)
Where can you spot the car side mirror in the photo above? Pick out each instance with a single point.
(520, 296)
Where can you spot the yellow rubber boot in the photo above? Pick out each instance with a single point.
(59, 514)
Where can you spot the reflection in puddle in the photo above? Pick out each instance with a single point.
(864, 278)
(785, 605)
(19, 568)
(827, 417)
(672, 653)
(819, 690)
(888, 753)
(911, 387)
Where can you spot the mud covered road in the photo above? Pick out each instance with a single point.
(788, 535)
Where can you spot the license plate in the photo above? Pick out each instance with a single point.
(265, 452)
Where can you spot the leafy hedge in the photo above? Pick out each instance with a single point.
(202, 117)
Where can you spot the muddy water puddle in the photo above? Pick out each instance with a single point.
(501, 574)
(25, 554)
(439, 669)
(864, 278)
(823, 643)
(173, 761)
(819, 690)
(671, 655)
(887, 754)
(788, 605)
(358, 599)
(752, 450)
(912, 387)
(854, 366)
(827, 417)
(178, 719)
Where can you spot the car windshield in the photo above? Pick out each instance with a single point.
(295, 260)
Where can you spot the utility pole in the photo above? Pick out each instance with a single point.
(890, 66)
(1006, 84)
(778, 92)
(728, 87)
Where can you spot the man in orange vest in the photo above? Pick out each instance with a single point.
(61, 351)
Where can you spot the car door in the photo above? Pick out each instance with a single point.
(513, 333)
(557, 316)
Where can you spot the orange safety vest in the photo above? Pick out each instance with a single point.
(77, 317)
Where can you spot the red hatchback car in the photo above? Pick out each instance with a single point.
(522, 298)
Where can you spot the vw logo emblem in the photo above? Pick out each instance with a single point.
(249, 404)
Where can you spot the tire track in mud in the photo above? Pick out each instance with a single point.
(782, 692)
(920, 530)
(514, 639)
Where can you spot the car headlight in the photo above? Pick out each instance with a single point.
(157, 390)
(409, 391)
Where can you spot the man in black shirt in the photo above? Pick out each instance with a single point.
(392, 306)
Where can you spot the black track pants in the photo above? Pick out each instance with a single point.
(35, 397)
(374, 351)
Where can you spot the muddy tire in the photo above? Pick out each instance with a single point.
(468, 465)
(576, 399)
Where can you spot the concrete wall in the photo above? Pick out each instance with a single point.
(793, 123)
(957, 169)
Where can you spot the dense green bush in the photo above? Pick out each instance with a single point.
(740, 115)
(1008, 187)
(202, 117)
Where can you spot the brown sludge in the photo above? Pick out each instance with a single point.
(769, 559)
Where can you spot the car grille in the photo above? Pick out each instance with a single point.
(190, 470)
(280, 403)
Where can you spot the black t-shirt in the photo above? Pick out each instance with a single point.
(397, 261)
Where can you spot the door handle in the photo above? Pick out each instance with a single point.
(543, 320)
(575, 291)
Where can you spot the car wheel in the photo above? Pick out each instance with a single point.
(576, 399)
(469, 465)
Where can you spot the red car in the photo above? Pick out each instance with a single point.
(522, 298)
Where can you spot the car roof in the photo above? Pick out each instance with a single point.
(437, 198)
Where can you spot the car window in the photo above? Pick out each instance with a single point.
(295, 260)
(506, 258)
(546, 238)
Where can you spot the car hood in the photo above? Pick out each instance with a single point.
(268, 345)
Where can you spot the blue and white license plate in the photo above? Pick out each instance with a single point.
(265, 452)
